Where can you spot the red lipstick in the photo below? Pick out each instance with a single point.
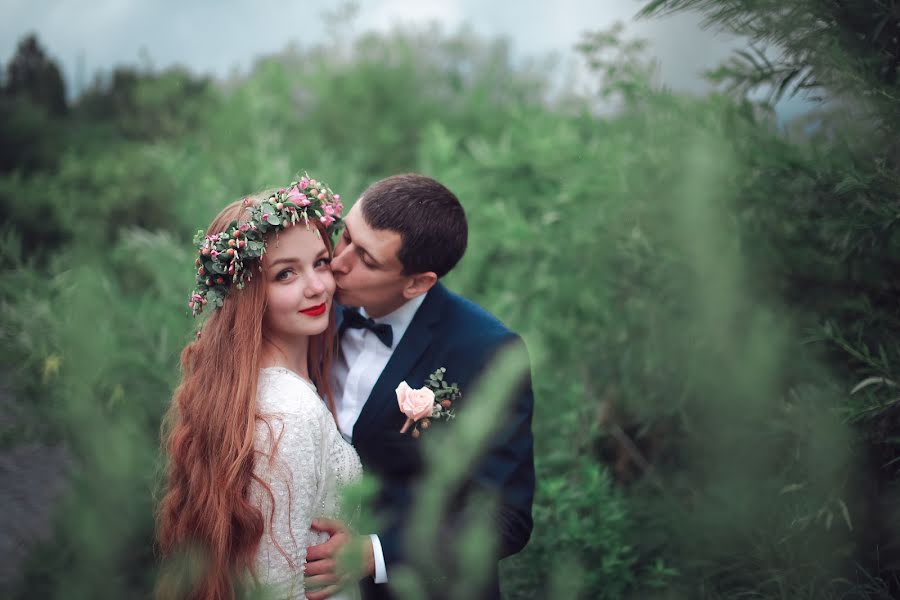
(315, 311)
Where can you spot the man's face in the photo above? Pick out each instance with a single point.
(366, 268)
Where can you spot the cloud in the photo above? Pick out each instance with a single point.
(684, 49)
(384, 16)
(215, 37)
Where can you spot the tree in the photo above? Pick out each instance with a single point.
(31, 74)
(846, 50)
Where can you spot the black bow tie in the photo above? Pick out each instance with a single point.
(354, 320)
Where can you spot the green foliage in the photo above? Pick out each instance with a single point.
(29, 134)
(833, 241)
(146, 105)
(595, 544)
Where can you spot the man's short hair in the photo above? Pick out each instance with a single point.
(429, 218)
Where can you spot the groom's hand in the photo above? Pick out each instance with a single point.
(325, 573)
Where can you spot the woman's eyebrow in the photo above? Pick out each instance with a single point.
(282, 260)
(289, 259)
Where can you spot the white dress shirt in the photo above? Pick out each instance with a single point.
(360, 361)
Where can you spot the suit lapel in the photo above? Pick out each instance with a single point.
(338, 315)
(415, 341)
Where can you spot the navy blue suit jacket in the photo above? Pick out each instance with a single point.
(447, 331)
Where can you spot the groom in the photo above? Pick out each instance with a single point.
(403, 234)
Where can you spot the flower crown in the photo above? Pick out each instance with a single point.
(225, 258)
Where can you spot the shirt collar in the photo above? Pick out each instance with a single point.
(400, 318)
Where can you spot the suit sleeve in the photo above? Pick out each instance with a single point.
(507, 468)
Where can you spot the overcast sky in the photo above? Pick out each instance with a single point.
(220, 36)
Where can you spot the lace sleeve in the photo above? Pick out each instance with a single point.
(292, 449)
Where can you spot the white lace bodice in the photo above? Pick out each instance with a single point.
(305, 461)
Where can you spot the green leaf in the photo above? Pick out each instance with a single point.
(792, 487)
(845, 512)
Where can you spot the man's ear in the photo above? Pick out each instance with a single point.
(418, 284)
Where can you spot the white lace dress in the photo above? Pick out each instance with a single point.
(310, 463)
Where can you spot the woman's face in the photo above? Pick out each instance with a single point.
(299, 283)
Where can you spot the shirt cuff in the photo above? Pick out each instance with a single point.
(380, 567)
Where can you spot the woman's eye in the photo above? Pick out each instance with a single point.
(323, 262)
(282, 275)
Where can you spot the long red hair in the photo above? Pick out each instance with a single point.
(205, 514)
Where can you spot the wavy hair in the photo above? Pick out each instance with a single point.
(205, 513)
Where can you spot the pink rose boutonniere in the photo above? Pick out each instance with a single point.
(433, 401)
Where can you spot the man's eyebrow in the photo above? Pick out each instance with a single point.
(360, 249)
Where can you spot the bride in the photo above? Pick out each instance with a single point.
(253, 451)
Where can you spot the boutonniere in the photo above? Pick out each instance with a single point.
(433, 401)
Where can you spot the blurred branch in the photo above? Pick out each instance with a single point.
(605, 418)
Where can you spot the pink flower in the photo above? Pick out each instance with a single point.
(244, 227)
(321, 196)
(415, 404)
(297, 197)
(304, 183)
(337, 197)
(294, 195)
(329, 209)
(327, 220)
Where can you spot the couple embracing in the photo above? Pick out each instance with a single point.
(311, 367)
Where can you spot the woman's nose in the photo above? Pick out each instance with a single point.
(315, 286)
